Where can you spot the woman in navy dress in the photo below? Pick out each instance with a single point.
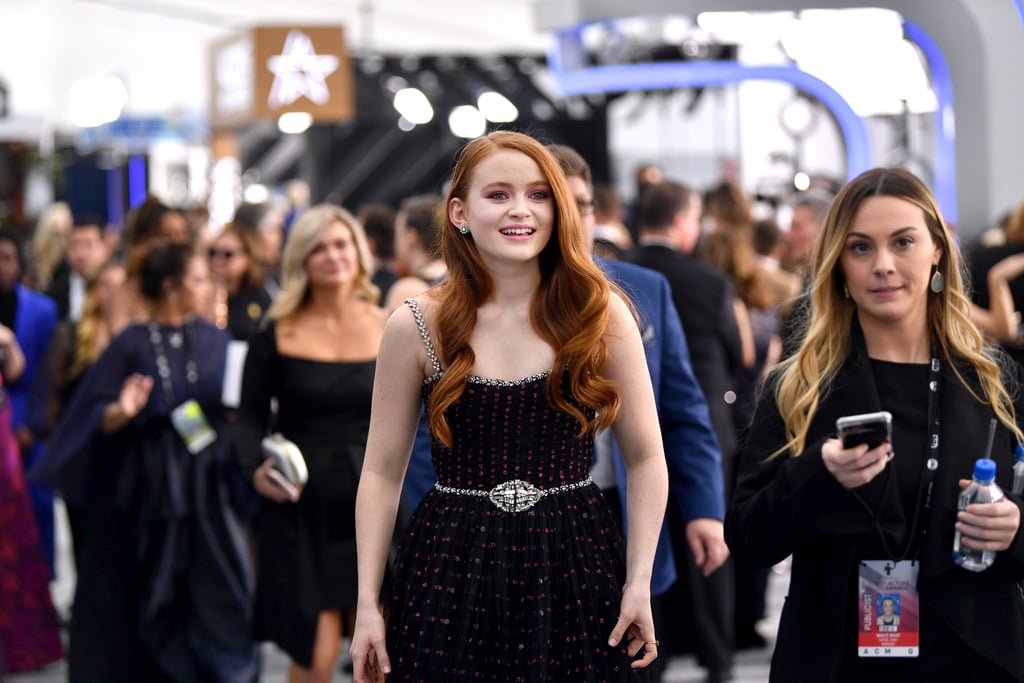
(164, 585)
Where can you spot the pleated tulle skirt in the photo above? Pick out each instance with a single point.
(485, 595)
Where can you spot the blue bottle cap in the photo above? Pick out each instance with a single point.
(1019, 452)
(984, 469)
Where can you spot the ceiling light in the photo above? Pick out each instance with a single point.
(256, 194)
(467, 122)
(412, 104)
(496, 107)
(95, 101)
(294, 122)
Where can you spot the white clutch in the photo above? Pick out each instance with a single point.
(287, 458)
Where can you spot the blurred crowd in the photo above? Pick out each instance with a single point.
(144, 364)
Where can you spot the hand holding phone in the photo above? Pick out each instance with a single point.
(287, 486)
(873, 429)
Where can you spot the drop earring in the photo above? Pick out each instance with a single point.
(463, 229)
(938, 282)
(846, 292)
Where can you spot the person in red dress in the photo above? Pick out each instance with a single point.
(29, 630)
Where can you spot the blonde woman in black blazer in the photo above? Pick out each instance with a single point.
(887, 299)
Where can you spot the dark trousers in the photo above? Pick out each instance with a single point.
(696, 613)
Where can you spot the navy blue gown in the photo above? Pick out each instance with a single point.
(164, 585)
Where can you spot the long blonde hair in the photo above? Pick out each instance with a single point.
(49, 243)
(807, 375)
(303, 238)
(92, 334)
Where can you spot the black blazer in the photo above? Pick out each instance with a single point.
(60, 291)
(704, 298)
(792, 505)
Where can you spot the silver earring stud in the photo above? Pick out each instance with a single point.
(463, 229)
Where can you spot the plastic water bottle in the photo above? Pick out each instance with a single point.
(982, 489)
(1018, 470)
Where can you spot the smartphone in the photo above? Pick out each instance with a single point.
(874, 429)
(282, 482)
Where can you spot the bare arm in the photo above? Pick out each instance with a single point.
(133, 398)
(14, 359)
(393, 420)
(746, 333)
(1000, 320)
(639, 435)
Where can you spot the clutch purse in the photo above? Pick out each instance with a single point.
(287, 458)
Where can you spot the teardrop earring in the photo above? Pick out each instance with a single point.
(938, 282)
(846, 292)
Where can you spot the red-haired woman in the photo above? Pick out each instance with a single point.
(513, 563)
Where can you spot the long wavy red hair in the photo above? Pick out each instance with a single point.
(569, 311)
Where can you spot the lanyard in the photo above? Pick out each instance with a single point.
(163, 366)
(931, 463)
(926, 493)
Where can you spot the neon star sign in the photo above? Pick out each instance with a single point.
(300, 72)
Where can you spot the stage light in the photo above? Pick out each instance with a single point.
(393, 83)
(256, 194)
(496, 108)
(413, 105)
(467, 122)
(294, 122)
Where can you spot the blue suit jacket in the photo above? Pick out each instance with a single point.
(691, 448)
(34, 323)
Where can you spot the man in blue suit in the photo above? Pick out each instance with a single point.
(691, 448)
(33, 317)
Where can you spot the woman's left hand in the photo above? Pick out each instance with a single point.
(636, 625)
(988, 526)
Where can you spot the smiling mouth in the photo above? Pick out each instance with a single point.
(517, 231)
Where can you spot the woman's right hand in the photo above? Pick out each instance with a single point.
(853, 467)
(370, 662)
(134, 395)
(271, 484)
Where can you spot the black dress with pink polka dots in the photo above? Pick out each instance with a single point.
(519, 585)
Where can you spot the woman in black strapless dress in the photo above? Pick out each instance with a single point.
(315, 360)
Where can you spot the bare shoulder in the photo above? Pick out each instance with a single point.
(621, 318)
(401, 322)
(402, 336)
(403, 289)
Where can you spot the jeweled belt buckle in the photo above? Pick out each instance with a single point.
(515, 495)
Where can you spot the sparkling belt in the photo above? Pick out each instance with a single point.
(515, 495)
